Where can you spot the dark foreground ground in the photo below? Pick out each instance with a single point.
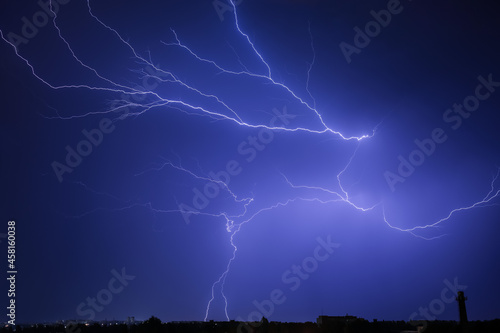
(154, 325)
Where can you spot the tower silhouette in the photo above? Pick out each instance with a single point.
(461, 307)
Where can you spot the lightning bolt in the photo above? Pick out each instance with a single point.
(223, 112)
(486, 201)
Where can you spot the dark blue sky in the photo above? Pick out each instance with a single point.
(348, 151)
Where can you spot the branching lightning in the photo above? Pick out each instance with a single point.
(486, 201)
(234, 223)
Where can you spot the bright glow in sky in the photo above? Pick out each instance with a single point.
(198, 161)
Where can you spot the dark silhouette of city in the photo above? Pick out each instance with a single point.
(323, 324)
(341, 324)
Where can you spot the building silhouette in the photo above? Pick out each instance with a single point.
(322, 320)
(461, 307)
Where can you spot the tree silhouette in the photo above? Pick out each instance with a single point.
(153, 325)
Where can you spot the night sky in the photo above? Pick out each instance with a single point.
(301, 158)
